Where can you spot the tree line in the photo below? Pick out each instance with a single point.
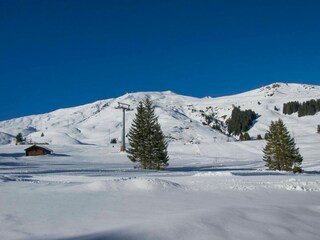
(310, 107)
(240, 121)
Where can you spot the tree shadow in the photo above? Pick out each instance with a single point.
(59, 155)
(112, 235)
(12, 164)
(312, 172)
(258, 173)
(207, 169)
(75, 171)
(14, 155)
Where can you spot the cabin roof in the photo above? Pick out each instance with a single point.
(33, 146)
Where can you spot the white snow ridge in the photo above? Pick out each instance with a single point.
(132, 184)
(215, 186)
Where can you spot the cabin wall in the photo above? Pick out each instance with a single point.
(36, 152)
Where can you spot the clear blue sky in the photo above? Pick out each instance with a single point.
(56, 54)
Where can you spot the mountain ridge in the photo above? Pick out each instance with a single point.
(183, 118)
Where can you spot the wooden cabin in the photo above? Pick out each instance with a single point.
(36, 150)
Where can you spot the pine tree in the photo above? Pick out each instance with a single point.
(318, 129)
(19, 138)
(147, 141)
(160, 149)
(137, 137)
(259, 137)
(246, 137)
(280, 152)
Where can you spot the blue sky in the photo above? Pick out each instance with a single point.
(56, 54)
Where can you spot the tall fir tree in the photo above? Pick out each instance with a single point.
(147, 141)
(280, 152)
(137, 136)
(160, 153)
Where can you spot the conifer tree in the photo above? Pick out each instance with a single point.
(19, 138)
(280, 152)
(137, 136)
(246, 137)
(147, 141)
(259, 137)
(160, 149)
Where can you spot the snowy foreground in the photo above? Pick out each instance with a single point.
(210, 191)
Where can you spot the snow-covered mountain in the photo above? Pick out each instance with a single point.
(182, 118)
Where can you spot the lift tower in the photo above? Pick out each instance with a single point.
(125, 107)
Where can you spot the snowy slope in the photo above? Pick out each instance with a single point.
(217, 189)
(181, 117)
(5, 138)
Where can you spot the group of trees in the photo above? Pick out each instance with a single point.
(310, 107)
(149, 148)
(147, 141)
(240, 121)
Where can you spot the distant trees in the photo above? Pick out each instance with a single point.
(209, 118)
(240, 121)
(147, 142)
(19, 138)
(113, 141)
(291, 107)
(280, 152)
(310, 107)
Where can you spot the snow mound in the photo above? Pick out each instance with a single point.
(212, 174)
(300, 185)
(132, 184)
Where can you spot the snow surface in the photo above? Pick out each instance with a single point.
(214, 187)
(181, 117)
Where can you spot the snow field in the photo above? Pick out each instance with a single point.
(214, 187)
(209, 191)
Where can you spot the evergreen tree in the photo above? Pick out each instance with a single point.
(259, 137)
(160, 153)
(280, 152)
(147, 141)
(136, 136)
(318, 129)
(244, 137)
(19, 138)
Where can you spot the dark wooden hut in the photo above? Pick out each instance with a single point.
(36, 150)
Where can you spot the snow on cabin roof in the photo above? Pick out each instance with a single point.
(48, 149)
